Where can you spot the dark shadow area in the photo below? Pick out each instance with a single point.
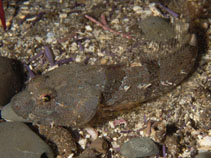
(171, 129)
(44, 155)
(11, 80)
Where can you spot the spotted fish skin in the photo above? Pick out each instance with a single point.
(77, 94)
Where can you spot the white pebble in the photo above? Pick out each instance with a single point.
(82, 143)
(70, 156)
(39, 39)
(153, 8)
(93, 133)
(115, 21)
(137, 9)
(90, 49)
(63, 15)
(111, 124)
(78, 58)
(50, 37)
(206, 141)
(115, 139)
(74, 46)
(88, 28)
(126, 88)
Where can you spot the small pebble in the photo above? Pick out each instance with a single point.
(103, 61)
(82, 143)
(63, 15)
(139, 147)
(8, 114)
(100, 145)
(137, 9)
(50, 37)
(205, 143)
(88, 28)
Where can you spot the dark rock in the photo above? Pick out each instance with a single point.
(18, 141)
(139, 147)
(11, 72)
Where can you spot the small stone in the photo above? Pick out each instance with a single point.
(88, 28)
(9, 114)
(39, 39)
(70, 156)
(78, 58)
(93, 134)
(126, 88)
(82, 143)
(100, 145)
(103, 61)
(115, 21)
(139, 147)
(18, 141)
(96, 148)
(63, 15)
(153, 8)
(205, 143)
(90, 49)
(137, 9)
(136, 64)
(74, 46)
(50, 37)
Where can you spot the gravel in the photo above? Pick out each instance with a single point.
(178, 119)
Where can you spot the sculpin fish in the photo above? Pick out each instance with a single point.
(77, 94)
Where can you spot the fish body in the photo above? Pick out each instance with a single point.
(77, 94)
(73, 94)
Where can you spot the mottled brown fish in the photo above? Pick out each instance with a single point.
(76, 94)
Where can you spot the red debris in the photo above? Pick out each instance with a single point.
(119, 122)
(2, 15)
(105, 27)
(103, 20)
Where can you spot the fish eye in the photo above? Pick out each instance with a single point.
(45, 98)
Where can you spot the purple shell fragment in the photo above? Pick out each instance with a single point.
(169, 10)
(49, 55)
(64, 61)
(164, 151)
